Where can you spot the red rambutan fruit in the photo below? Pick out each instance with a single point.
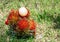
(23, 24)
(32, 26)
(13, 16)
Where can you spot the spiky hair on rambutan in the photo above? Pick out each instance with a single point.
(23, 24)
(12, 17)
(32, 26)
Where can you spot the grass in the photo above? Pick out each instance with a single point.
(46, 14)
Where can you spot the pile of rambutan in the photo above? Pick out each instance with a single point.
(19, 22)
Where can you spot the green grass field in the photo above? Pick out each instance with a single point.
(46, 14)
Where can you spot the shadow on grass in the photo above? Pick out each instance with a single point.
(16, 37)
(57, 21)
(13, 34)
(19, 38)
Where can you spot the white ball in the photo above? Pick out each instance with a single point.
(23, 11)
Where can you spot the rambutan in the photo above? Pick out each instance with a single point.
(13, 16)
(23, 24)
(32, 26)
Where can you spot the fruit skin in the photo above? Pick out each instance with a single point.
(6, 22)
(13, 16)
(23, 24)
(32, 26)
(27, 15)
